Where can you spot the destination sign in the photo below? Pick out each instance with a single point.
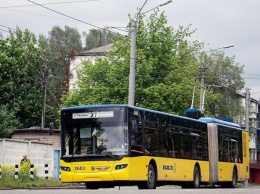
(87, 115)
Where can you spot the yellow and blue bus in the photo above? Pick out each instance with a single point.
(119, 145)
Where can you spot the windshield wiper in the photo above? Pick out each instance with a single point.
(72, 156)
(109, 154)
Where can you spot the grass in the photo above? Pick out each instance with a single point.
(10, 182)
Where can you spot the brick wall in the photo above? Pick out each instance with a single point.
(39, 135)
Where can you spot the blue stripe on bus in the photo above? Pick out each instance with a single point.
(220, 122)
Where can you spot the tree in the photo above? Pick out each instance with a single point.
(8, 122)
(21, 69)
(57, 49)
(99, 37)
(63, 46)
(63, 42)
(223, 76)
(165, 70)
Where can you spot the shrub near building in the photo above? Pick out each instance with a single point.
(24, 182)
(8, 172)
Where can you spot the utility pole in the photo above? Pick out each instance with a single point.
(247, 107)
(44, 91)
(131, 89)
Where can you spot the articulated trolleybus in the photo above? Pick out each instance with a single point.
(117, 145)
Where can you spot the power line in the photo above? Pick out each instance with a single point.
(71, 17)
(252, 78)
(251, 74)
(7, 27)
(34, 14)
(4, 30)
(64, 2)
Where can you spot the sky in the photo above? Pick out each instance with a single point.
(217, 23)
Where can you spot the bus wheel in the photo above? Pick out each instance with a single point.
(91, 186)
(233, 183)
(151, 179)
(196, 178)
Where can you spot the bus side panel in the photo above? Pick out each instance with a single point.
(204, 171)
(168, 169)
(243, 173)
(225, 171)
(226, 168)
(139, 168)
(243, 168)
(172, 169)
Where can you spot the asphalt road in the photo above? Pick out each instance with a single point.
(131, 190)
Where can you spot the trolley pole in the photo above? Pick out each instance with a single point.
(247, 106)
(202, 87)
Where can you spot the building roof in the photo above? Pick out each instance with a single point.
(99, 51)
(243, 95)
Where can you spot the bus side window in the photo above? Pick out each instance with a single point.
(133, 127)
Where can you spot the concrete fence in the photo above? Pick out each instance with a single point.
(40, 154)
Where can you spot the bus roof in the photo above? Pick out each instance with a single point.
(94, 106)
(129, 106)
(200, 120)
(220, 122)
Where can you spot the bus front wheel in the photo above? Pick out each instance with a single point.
(151, 179)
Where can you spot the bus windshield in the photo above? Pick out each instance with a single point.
(96, 135)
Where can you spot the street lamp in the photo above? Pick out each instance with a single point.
(131, 89)
(202, 76)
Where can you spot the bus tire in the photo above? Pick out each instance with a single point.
(233, 183)
(151, 179)
(196, 178)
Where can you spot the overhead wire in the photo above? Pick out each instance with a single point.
(7, 27)
(4, 30)
(35, 14)
(72, 17)
(63, 2)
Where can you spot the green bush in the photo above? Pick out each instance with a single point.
(8, 179)
(8, 172)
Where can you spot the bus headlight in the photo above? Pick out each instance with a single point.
(65, 168)
(121, 166)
